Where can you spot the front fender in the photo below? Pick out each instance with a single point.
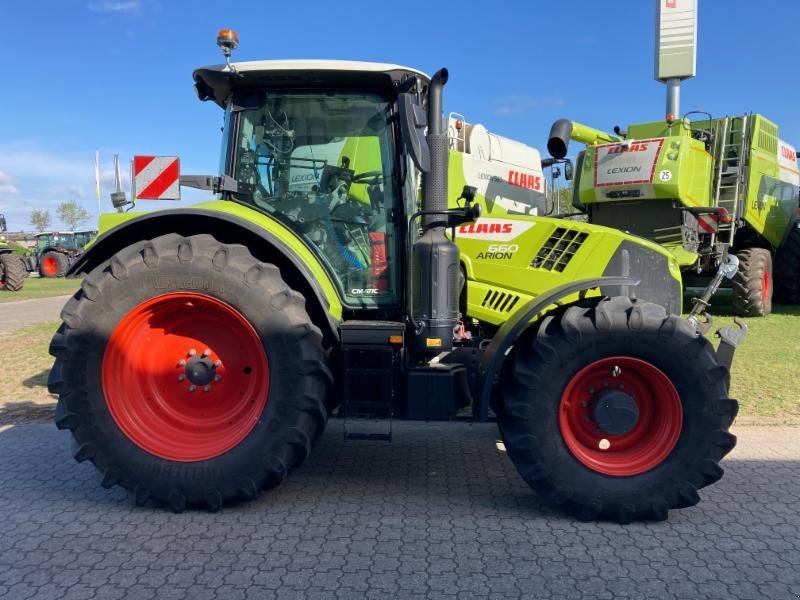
(491, 363)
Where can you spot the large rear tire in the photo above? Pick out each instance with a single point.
(787, 269)
(189, 372)
(12, 272)
(753, 282)
(669, 429)
(53, 264)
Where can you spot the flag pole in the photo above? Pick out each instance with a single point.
(97, 177)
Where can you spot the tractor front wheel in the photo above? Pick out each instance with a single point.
(752, 284)
(616, 411)
(53, 264)
(12, 272)
(189, 372)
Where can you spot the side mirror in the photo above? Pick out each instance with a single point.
(569, 171)
(413, 122)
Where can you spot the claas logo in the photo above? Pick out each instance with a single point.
(634, 147)
(526, 180)
(486, 228)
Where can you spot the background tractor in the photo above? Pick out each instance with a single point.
(56, 252)
(699, 185)
(12, 270)
(208, 345)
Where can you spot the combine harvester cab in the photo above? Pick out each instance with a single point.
(699, 186)
(208, 345)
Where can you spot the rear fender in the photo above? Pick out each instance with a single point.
(298, 266)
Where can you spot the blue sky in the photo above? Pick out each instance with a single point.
(116, 74)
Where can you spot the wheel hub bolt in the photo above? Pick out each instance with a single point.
(616, 371)
(217, 378)
(181, 363)
(192, 387)
(192, 352)
(206, 388)
(218, 363)
(206, 352)
(181, 377)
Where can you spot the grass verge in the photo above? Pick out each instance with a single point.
(40, 287)
(23, 374)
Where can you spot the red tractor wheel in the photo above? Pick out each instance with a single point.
(53, 264)
(201, 385)
(616, 411)
(189, 372)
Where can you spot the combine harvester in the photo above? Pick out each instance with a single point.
(208, 345)
(699, 185)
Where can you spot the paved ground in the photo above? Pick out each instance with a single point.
(438, 513)
(14, 315)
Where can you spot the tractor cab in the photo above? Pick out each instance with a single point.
(314, 144)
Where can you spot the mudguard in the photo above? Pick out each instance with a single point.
(493, 357)
(229, 228)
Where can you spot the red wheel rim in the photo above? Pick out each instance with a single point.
(50, 265)
(766, 287)
(650, 440)
(151, 362)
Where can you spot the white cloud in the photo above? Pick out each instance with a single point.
(132, 7)
(7, 187)
(519, 104)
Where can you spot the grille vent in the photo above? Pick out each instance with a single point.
(768, 136)
(559, 249)
(500, 301)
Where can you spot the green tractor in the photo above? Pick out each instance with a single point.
(701, 186)
(12, 269)
(56, 251)
(208, 345)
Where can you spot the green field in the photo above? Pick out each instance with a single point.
(764, 378)
(37, 287)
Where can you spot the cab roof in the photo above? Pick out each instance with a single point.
(217, 83)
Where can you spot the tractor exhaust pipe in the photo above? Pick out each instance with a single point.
(435, 195)
(435, 258)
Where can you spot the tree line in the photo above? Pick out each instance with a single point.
(69, 212)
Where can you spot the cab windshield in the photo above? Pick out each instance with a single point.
(323, 164)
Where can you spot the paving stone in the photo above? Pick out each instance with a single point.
(439, 513)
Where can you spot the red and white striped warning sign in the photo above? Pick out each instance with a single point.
(156, 178)
(708, 222)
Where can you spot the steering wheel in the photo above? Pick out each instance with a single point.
(368, 177)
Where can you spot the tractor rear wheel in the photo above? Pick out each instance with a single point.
(53, 264)
(787, 269)
(189, 372)
(752, 284)
(616, 411)
(12, 272)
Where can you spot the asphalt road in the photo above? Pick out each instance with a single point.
(14, 315)
(438, 513)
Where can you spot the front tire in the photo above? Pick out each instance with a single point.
(671, 425)
(752, 284)
(189, 372)
(787, 269)
(12, 272)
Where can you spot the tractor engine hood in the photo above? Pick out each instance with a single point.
(217, 82)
